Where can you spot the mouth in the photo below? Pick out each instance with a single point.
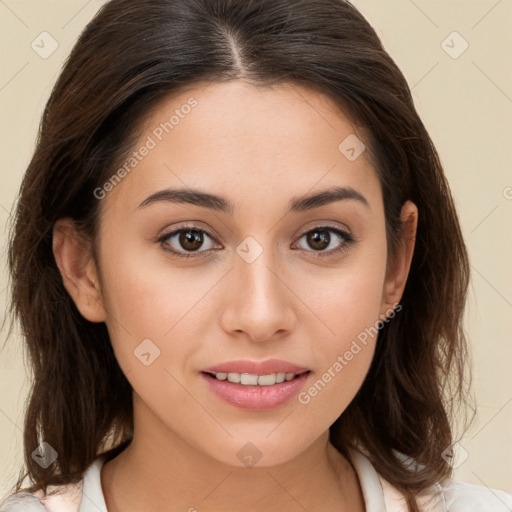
(254, 391)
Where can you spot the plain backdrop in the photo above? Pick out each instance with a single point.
(456, 58)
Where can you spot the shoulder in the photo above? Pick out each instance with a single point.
(58, 498)
(451, 496)
(466, 497)
(22, 502)
(447, 496)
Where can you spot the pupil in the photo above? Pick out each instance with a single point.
(191, 240)
(319, 239)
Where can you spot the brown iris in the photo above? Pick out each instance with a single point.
(191, 239)
(319, 239)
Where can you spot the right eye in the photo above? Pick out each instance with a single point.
(185, 239)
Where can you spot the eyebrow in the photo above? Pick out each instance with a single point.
(221, 204)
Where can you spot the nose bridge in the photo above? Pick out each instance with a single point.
(256, 270)
(260, 302)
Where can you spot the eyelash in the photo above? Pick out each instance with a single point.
(348, 239)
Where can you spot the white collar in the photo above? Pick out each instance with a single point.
(93, 499)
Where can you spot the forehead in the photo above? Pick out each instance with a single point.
(246, 142)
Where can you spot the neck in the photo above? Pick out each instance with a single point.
(159, 471)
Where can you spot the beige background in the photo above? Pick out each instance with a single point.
(466, 104)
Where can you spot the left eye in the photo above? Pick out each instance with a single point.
(320, 239)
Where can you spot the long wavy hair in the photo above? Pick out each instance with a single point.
(129, 58)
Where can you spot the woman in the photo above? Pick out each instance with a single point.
(247, 274)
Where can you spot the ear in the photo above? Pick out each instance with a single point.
(76, 264)
(398, 269)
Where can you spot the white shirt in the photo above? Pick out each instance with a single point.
(379, 495)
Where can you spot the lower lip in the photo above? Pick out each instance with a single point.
(257, 398)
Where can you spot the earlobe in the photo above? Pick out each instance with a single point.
(78, 271)
(398, 272)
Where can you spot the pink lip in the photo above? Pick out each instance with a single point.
(256, 398)
(256, 367)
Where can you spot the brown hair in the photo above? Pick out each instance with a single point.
(131, 56)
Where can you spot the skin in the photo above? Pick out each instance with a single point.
(259, 148)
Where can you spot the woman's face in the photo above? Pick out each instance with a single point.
(267, 273)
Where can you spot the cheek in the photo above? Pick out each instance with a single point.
(347, 305)
(345, 301)
(146, 292)
(345, 349)
(151, 308)
(331, 389)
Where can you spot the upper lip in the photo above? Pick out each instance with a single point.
(256, 367)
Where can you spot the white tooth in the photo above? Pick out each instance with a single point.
(267, 380)
(234, 377)
(248, 379)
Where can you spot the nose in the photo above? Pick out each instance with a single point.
(258, 300)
